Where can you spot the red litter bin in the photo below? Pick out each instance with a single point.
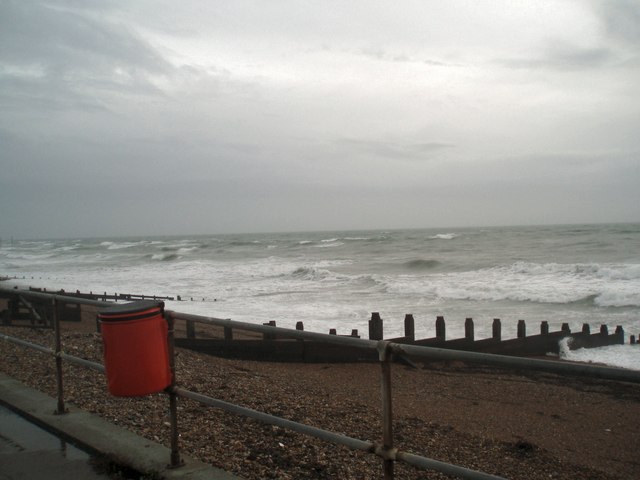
(136, 353)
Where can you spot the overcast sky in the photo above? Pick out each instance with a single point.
(161, 117)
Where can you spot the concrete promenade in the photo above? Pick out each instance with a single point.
(89, 432)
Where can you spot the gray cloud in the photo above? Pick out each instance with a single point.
(565, 57)
(395, 150)
(621, 20)
(140, 118)
(55, 58)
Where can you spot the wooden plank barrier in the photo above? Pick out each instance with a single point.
(270, 347)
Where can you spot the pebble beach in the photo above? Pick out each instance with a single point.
(516, 425)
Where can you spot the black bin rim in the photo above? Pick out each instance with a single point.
(129, 311)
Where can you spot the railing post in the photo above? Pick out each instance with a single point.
(176, 461)
(387, 410)
(58, 352)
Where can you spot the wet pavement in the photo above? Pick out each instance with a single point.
(29, 452)
(25, 454)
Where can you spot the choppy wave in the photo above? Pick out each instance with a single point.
(310, 273)
(421, 264)
(329, 243)
(335, 279)
(597, 285)
(165, 257)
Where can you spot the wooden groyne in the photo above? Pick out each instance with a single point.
(236, 344)
(105, 297)
(18, 310)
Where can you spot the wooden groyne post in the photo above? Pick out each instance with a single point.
(375, 327)
(409, 327)
(496, 330)
(441, 329)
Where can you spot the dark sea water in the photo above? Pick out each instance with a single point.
(562, 274)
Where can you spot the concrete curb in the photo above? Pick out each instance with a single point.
(97, 435)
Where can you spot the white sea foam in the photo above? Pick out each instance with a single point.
(329, 244)
(444, 236)
(120, 246)
(625, 356)
(544, 283)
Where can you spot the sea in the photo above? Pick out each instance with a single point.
(571, 274)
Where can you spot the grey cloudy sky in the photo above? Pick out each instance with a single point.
(160, 117)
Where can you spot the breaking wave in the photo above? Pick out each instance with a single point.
(444, 236)
(165, 257)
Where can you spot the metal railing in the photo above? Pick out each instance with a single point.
(386, 351)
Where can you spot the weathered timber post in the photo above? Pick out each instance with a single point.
(620, 334)
(496, 330)
(441, 329)
(354, 333)
(409, 327)
(586, 329)
(333, 331)
(375, 327)
(300, 327)
(604, 330)
(269, 336)
(228, 334)
(544, 328)
(191, 330)
(565, 328)
(632, 339)
(468, 329)
(522, 329)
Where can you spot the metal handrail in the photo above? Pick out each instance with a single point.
(386, 351)
(429, 353)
